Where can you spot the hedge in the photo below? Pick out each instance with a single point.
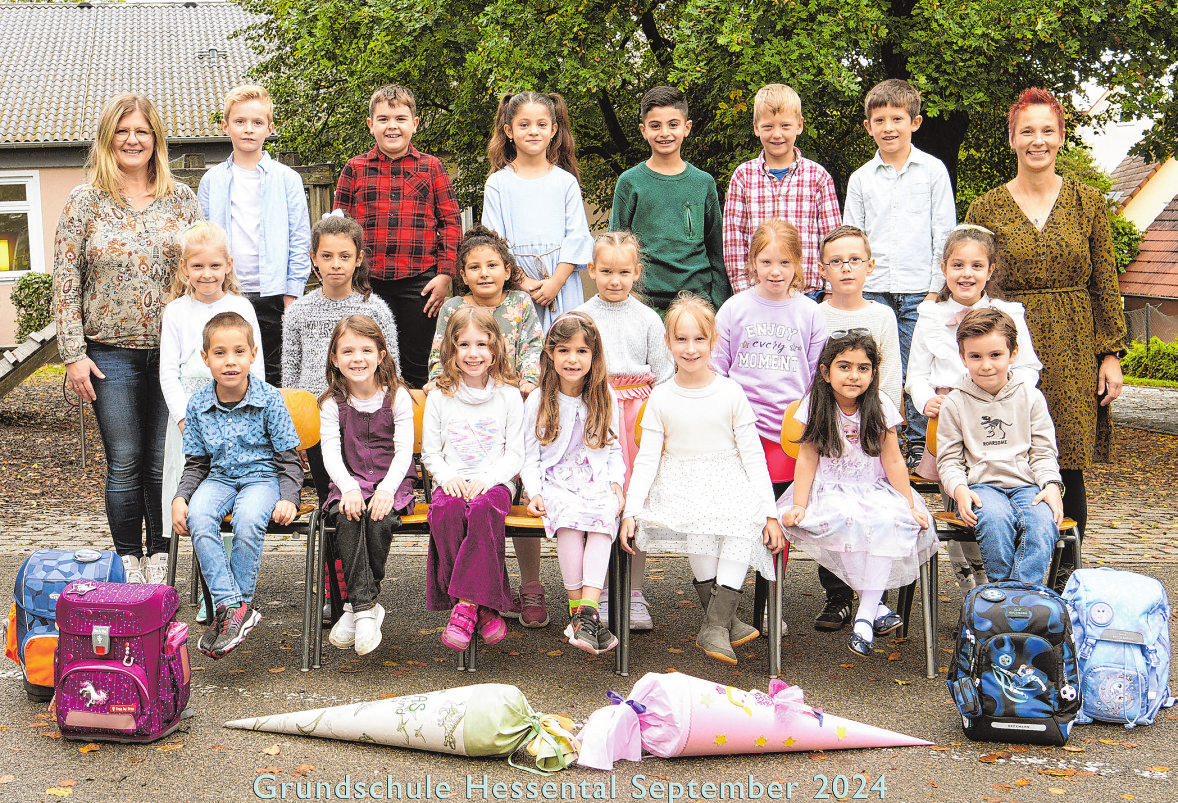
(1161, 362)
(32, 298)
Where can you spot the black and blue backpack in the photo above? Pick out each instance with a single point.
(1013, 675)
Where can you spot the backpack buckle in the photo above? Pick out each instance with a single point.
(100, 640)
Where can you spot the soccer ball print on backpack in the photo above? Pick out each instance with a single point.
(1013, 675)
(1121, 621)
(32, 634)
(122, 671)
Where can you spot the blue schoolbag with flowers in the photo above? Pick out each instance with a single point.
(1013, 674)
(1121, 625)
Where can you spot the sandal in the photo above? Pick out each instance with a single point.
(859, 645)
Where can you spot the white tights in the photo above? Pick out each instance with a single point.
(727, 573)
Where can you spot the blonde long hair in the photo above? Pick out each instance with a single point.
(595, 392)
(197, 237)
(102, 167)
(480, 318)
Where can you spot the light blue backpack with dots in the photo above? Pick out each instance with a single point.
(1120, 621)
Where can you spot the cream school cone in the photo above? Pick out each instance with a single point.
(680, 715)
(486, 719)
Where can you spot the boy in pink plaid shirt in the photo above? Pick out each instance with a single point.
(779, 183)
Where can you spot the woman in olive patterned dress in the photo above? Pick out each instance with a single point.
(1056, 259)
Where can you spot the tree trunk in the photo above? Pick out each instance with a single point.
(942, 137)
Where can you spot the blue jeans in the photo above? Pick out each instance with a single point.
(132, 419)
(1016, 537)
(904, 305)
(252, 501)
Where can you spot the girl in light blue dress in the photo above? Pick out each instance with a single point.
(533, 199)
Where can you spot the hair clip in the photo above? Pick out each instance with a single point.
(972, 227)
(334, 213)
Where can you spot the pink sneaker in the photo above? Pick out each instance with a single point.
(460, 630)
(491, 626)
(514, 611)
(533, 607)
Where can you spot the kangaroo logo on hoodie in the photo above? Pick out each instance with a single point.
(995, 428)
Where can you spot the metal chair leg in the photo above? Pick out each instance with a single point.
(472, 654)
(173, 553)
(775, 617)
(929, 585)
(623, 614)
(309, 585)
(193, 582)
(317, 613)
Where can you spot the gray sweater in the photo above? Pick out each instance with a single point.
(1005, 439)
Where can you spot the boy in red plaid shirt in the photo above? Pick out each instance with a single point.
(779, 183)
(403, 200)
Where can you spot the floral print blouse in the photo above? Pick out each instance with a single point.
(517, 318)
(112, 266)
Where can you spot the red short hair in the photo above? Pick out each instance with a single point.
(1033, 97)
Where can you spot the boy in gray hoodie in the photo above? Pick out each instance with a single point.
(996, 453)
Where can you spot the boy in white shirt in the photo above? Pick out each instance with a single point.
(262, 206)
(903, 199)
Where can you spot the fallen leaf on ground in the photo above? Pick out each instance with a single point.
(895, 656)
(1001, 787)
(818, 756)
(553, 653)
(59, 791)
(1159, 769)
(169, 748)
(268, 770)
(51, 735)
(846, 666)
(903, 682)
(68, 782)
(990, 758)
(1023, 782)
(302, 770)
(1055, 790)
(6, 779)
(88, 748)
(236, 671)
(1073, 748)
(1064, 772)
(940, 748)
(1018, 748)
(277, 669)
(675, 650)
(272, 750)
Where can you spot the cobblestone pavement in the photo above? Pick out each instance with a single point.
(1154, 409)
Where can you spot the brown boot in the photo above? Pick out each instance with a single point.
(738, 631)
(713, 637)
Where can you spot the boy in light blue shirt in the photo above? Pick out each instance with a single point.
(903, 199)
(262, 206)
(239, 457)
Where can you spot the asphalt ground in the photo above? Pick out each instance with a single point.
(206, 762)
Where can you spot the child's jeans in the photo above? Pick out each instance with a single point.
(466, 559)
(363, 551)
(252, 501)
(1016, 538)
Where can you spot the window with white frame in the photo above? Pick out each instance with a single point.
(21, 244)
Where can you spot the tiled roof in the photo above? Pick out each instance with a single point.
(1128, 178)
(62, 61)
(1155, 270)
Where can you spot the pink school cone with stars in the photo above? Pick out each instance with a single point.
(680, 715)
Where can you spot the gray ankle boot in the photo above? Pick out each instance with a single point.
(738, 632)
(713, 637)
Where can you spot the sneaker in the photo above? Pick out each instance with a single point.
(343, 633)
(514, 611)
(133, 570)
(202, 615)
(835, 616)
(533, 609)
(156, 568)
(639, 613)
(965, 576)
(491, 627)
(209, 637)
(367, 636)
(590, 634)
(239, 622)
(463, 620)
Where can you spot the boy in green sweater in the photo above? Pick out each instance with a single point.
(673, 207)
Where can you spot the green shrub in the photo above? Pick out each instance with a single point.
(32, 298)
(1161, 362)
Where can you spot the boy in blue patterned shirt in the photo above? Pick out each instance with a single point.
(239, 456)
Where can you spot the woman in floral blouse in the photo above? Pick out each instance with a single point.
(116, 249)
(1056, 259)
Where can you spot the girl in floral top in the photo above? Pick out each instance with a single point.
(115, 252)
(491, 278)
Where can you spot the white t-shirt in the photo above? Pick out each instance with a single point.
(245, 216)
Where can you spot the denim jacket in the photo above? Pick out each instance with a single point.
(284, 243)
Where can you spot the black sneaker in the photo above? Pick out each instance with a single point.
(590, 634)
(213, 632)
(239, 622)
(835, 616)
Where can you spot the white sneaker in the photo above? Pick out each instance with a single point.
(133, 570)
(639, 612)
(368, 629)
(156, 568)
(343, 633)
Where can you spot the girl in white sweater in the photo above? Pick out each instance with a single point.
(472, 444)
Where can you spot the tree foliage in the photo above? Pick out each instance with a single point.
(969, 57)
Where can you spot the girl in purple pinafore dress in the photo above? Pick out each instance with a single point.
(366, 432)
